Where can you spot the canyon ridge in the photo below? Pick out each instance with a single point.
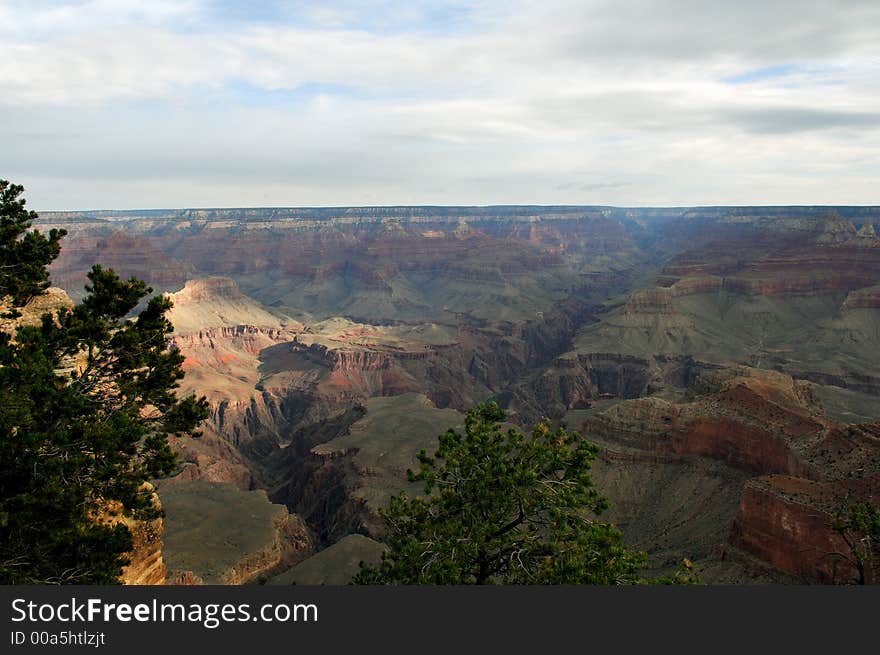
(726, 360)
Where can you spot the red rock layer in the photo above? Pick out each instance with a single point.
(762, 266)
(809, 469)
(787, 522)
(126, 254)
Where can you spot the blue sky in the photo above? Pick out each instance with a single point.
(764, 74)
(132, 104)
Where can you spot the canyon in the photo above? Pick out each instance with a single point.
(725, 359)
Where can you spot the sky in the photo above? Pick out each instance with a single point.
(122, 104)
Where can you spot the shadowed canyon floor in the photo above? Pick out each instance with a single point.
(726, 360)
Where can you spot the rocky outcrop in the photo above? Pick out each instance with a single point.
(212, 458)
(222, 535)
(578, 380)
(217, 302)
(756, 436)
(291, 545)
(336, 564)
(146, 566)
(222, 362)
(793, 468)
(31, 314)
(250, 339)
(868, 298)
(788, 522)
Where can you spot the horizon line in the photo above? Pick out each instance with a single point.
(474, 206)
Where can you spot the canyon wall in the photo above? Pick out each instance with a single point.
(692, 344)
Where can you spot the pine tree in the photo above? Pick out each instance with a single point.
(87, 401)
(24, 253)
(501, 507)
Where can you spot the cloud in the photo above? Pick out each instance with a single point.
(785, 121)
(215, 103)
(39, 20)
(599, 186)
(748, 30)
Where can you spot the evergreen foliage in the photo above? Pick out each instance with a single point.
(24, 253)
(87, 401)
(502, 507)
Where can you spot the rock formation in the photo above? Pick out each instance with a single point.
(146, 565)
(792, 469)
(714, 353)
(335, 565)
(32, 313)
(219, 534)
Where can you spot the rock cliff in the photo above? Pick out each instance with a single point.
(789, 470)
(146, 564)
(693, 344)
(221, 535)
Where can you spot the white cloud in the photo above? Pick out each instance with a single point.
(168, 104)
